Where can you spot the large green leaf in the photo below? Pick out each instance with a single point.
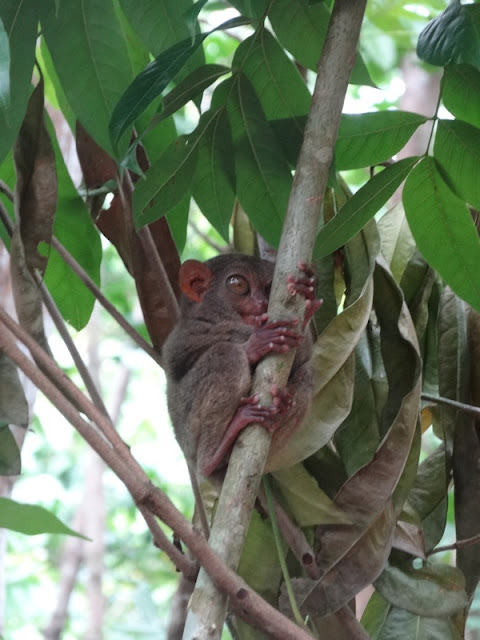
(214, 179)
(435, 590)
(402, 625)
(189, 88)
(451, 37)
(367, 139)
(74, 228)
(149, 84)
(443, 229)
(457, 151)
(461, 92)
(31, 519)
(301, 28)
(280, 88)
(20, 20)
(397, 241)
(166, 182)
(90, 83)
(263, 175)
(361, 207)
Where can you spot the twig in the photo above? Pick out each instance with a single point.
(207, 606)
(106, 304)
(458, 544)
(89, 283)
(248, 604)
(455, 404)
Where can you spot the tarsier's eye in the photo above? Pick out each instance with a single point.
(238, 284)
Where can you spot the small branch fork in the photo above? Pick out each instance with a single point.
(101, 435)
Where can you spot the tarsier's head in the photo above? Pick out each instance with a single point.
(233, 284)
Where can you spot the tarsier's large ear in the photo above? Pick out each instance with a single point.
(195, 278)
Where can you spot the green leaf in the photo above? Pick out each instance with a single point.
(443, 229)
(450, 38)
(263, 175)
(402, 625)
(189, 88)
(398, 244)
(435, 590)
(301, 28)
(31, 519)
(10, 462)
(159, 23)
(177, 219)
(361, 207)
(75, 230)
(277, 82)
(457, 151)
(149, 84)
(166, 183)
(308, 504)
(367, 139)
(191, 14)
(91, 86)
(461, 92)
(20, 21)
(214, 177)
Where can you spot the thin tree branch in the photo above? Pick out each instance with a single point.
(106, 304)
(458, 544)
(248, 604)
(455, 404)
(207, 606)
(89, 283)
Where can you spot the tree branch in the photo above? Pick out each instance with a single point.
(208, 607)
(248, 604)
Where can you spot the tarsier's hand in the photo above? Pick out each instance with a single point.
(305, 286)
(267, 337)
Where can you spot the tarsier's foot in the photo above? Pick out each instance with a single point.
(305, 286)
(276, 337)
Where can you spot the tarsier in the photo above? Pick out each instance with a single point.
(210, 355)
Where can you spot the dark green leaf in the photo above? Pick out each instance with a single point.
(457, 151)
(435, 590)
(74, 228)
(10, 462)
(214, 177)
(263, 175)
(191, 14)
(166, 182)
(177, 219)
(149, 84)
(461, 92)
(450, 38)
(31, 519)
(443, 229)
(367, 139)
(402, 625)
(192, 86)
(91, 86)
(20, 20)
(361, 207)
